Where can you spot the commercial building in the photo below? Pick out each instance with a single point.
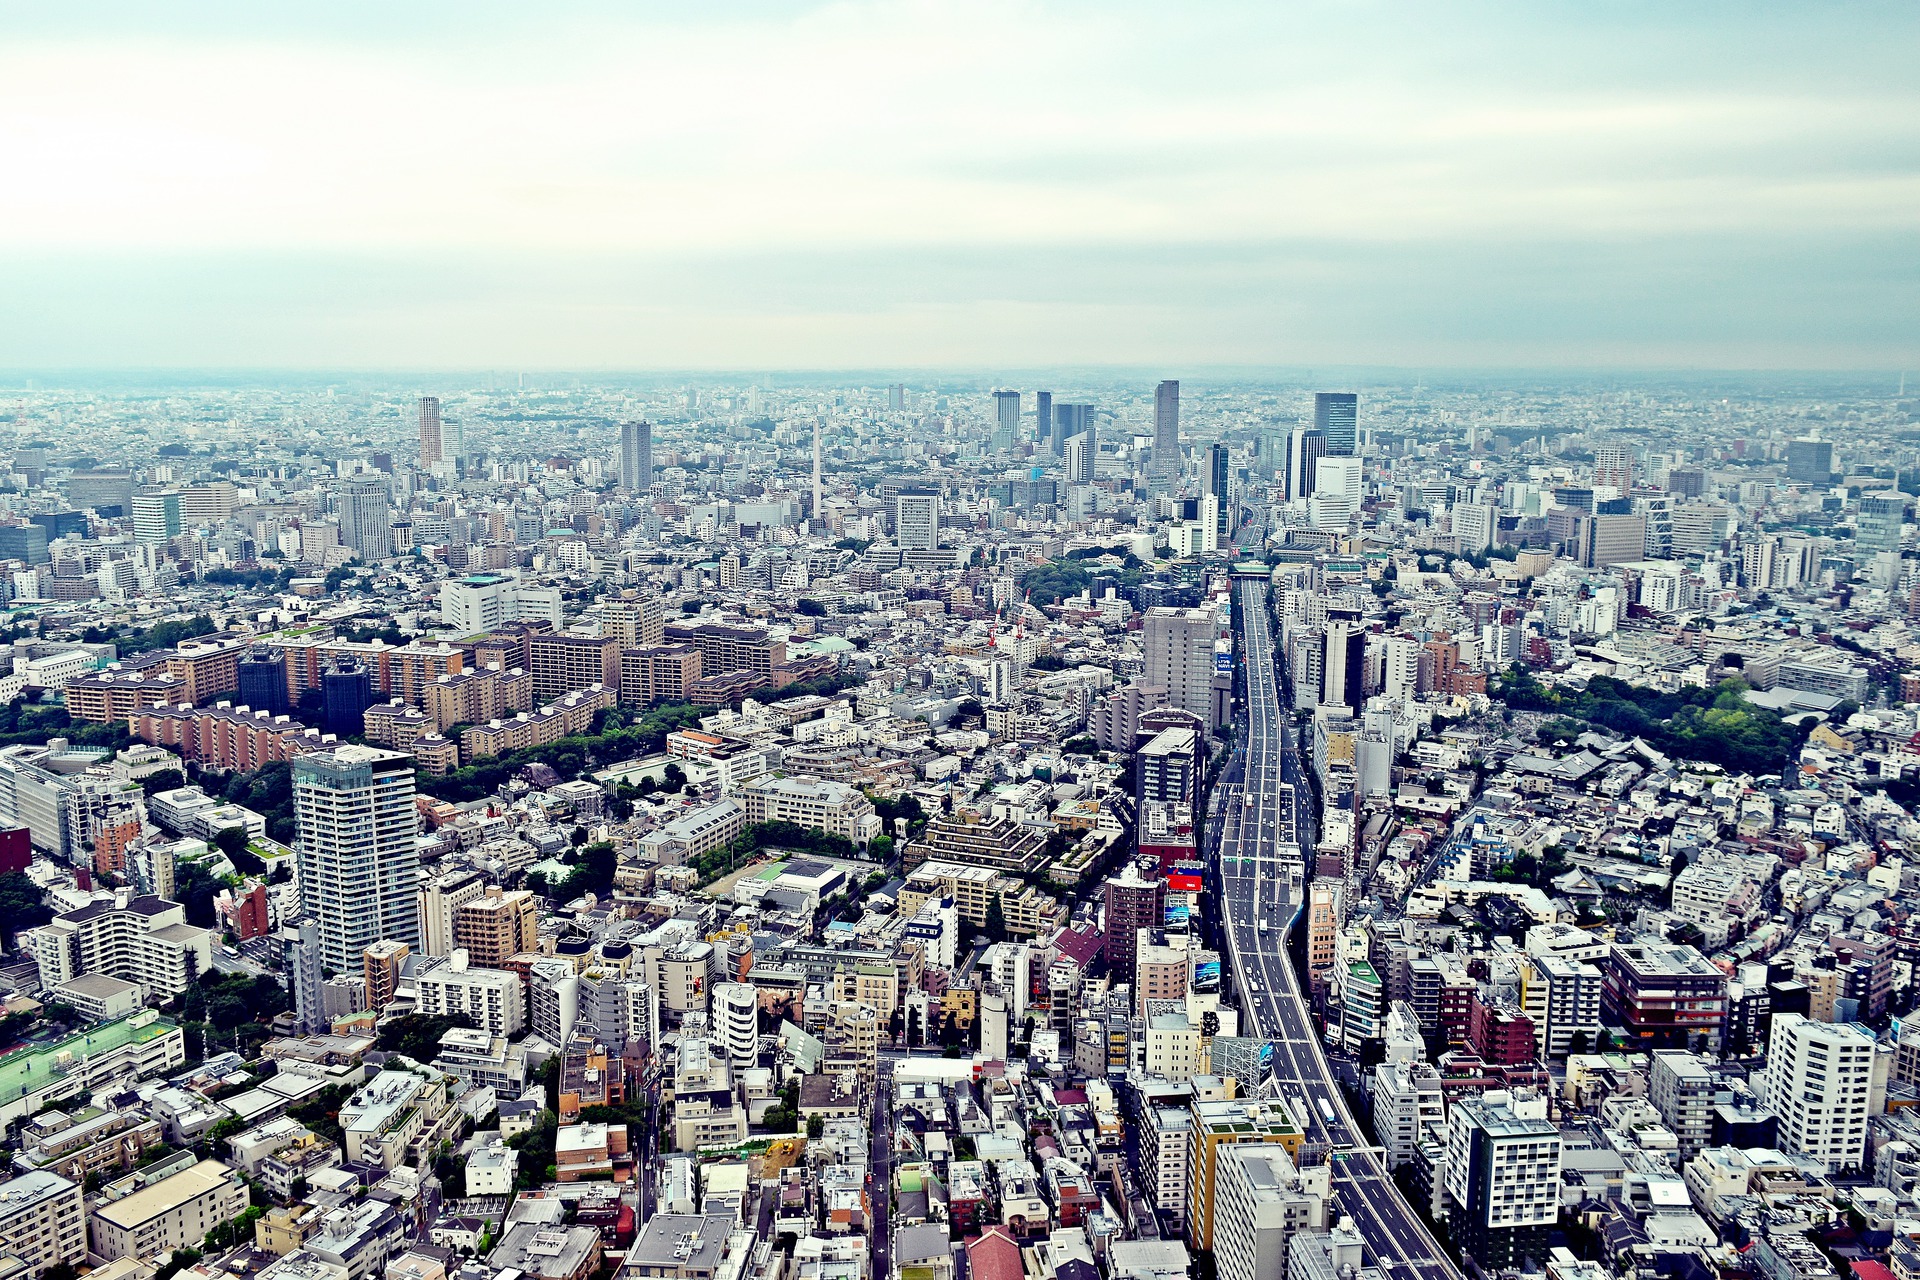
(1665, 995)
(636, 456)
(487, 601)
(173, 1213)
(1336, 416)
(359, 865)
(1178, 645)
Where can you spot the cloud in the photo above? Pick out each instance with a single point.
(833, 157)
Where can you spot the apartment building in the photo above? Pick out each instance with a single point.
(42, 1222)
(1819, 1081)
(391, 1113)
(143, 941)
(1217, 1124)
(1260, 1202)
(475, 697)
(494, 998)
(173, 1213)
(223, 736)
(658, 673)
(565, 717)
(1503, 1177)
(111, 696)
(1026, 910)
(724, 649)
(208, 666)
(562, 663)
(497, 926)
(974, 839)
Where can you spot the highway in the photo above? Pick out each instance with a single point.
(1266, 820)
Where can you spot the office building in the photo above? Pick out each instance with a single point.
(1304, 451)
(430, 445)
(1608, 539)
(1879, 525)
(156, 515)
(1166, 432)
(1613, 466)
(26, 542)
(1179, 646)
(1474, 524)
(42, 1221)
(1218, 467)
(1336, 416)
(487, 601)
(346, 691)
(916, 519)
(173, 1213)
(636, 456)
(1043, 419)
(1336, 493)
(1810, 461)
(366, 517)
(1006, 420)
(1069, 420)
(1409, 1109)
(1503, 1178)
(1665, 996)
(108, 494)
(357, 857)
(1819, 1080)
(1083, 456)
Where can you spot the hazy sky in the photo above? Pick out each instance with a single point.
(747, 185)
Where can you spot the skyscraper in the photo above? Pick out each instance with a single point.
(1178, 647)
(1879, 524)
(1083, 451)
(897, 396)
(636, 456)
(358, 865)
(346, 692)
(1166, 430)
(430, 449)
(1043, 417)
(1217, 468)
(1304, 452)
(1336, 415)
(1006, 414)
(1336, 492)
(1613, 465)
(366, 517)
(1069, 420)
(305, 972)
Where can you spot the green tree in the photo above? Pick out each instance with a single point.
(996, 927)
(22, 905)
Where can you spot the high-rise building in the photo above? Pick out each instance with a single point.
(357, 858)
(156, 515)
(346, 691)
(1503, 1177)
(1083, 451)
(1304, 451)
(306, 972)
(1682, 1091)
(263, 680)
(1613, 465)
(366, 517)
(381, 964)
(1166, 431)
(1219, 462)
(1178, 646)
(1336, 493)
(430, 443)
(1134, 901)
(1260, 1202)
(916, 519)
(1474, 524)
(1810, 461)
(498, 926)
(636, 456)
(1336, 415)
(1043, 418)
(440, 898)
(1006, 420)
(736, 1023)
(897, 397)
(1069, 420)
(1878, 526)
(1819, 1081)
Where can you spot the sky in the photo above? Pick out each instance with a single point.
(751, 185)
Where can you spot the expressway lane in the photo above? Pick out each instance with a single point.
(1267, 821)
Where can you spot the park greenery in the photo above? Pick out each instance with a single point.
(616, 740)
(1717, 725)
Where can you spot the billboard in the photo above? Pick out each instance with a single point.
(1177, 915)
(1206, 975)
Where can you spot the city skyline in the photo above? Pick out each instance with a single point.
(589, 189)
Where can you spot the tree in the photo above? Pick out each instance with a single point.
(996, 927)
(22, 905)
(816, 1125)
(1577, 1043)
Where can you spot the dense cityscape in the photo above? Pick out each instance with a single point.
(806, 829)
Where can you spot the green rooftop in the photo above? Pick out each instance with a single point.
(29, 1069)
